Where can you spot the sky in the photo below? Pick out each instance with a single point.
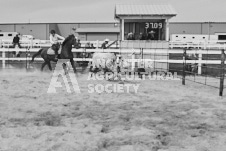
(63, 11)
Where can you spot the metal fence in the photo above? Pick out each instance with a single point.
(163, 58)
(188, 71)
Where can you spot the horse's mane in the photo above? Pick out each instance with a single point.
(67, 39)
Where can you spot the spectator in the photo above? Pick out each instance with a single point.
(151, 35)
(77, 45)
(130, 36)
(87, 45)
(142, 37)
(85, 54)
(92, 46)
(54, 37)
(104, 44)
(16, 41)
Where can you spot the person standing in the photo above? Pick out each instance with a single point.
(104, 44)
(16, 41)
(78, 44)
(92, 46)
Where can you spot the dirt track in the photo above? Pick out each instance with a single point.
(162, 116)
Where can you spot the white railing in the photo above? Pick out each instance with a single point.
(46, 43)
(201, 44)
(212, 44)
(129, 52)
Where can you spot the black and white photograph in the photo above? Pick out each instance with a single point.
(112, 75)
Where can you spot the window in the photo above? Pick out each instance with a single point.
(10, 34)
(1, 35)
(145, 29)
(221, 37)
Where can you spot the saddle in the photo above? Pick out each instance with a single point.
(50, 51)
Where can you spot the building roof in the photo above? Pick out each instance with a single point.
(99, 30)
(147, 10)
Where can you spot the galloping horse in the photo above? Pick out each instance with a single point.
(65, 53)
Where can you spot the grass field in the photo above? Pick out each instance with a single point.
(161, 116)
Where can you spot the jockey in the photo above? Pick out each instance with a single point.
(53, 52)
(54, 37)
(54, 41)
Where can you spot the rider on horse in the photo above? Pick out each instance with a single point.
(54, 37)
(53, 51)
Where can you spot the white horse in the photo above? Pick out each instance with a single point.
(106, 62)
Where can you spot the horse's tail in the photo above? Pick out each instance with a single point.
(35, 55)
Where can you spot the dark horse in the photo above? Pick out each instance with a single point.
(66, 53)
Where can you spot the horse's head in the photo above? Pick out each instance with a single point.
(70, 40)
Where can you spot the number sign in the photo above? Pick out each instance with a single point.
(153, 25)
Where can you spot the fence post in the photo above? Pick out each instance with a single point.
(133, 61)
(97, 46)
(27, 59)
(222, 73)
(204, 45)
(3, 59)
(200, 64)
(184, 65)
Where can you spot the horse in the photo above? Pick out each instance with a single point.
(106, 62)
(65, 53)
(103, 61)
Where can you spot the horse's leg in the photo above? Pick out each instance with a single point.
(105, 71)
(84, 67)
(91, 69)
(49, 65)
(73, 65)
(55, 60)
(65, 68)
(43, 65)
(118, 72)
